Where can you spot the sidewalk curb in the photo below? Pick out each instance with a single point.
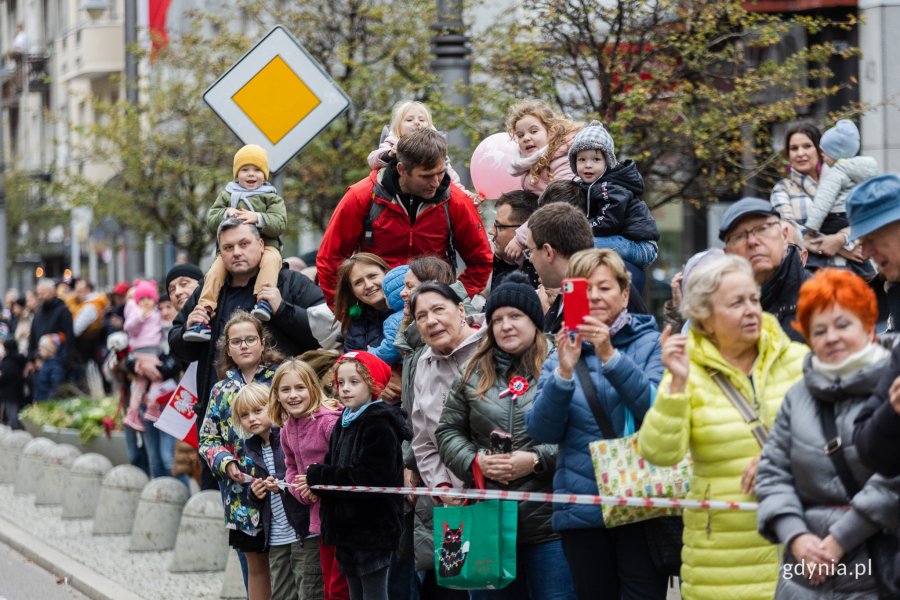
(82, 578)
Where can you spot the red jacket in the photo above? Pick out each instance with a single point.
(395, 241)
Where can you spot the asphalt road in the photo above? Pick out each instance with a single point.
(21, 579)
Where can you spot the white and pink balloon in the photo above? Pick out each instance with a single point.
(489, 166)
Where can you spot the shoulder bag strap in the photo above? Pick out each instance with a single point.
(834, 448)
(587, 386)
(743, 407)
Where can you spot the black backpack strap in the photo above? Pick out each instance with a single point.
(834, 448)
(590, 392)
(375, 209)
(451, 247)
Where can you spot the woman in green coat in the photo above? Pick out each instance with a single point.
(482, 438)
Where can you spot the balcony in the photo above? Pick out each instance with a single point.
(92, 50)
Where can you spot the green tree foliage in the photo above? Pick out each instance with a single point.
(172, 153)
(688, 88)
(31, 212)
(377, 51)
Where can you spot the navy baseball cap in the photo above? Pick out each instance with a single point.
(744, 207)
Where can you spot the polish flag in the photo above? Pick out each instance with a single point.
(178, 417)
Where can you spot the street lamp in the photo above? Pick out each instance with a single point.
(94, 8)
(5, 74)
(450, 46)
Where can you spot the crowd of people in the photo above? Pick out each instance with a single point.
(426, 350)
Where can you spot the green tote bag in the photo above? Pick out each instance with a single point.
(475, 545)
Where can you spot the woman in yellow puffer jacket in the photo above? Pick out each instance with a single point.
(723, 557)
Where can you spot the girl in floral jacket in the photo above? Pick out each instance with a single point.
(246, 354)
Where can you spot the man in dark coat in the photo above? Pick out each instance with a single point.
(241, 248)
(51, 317)
(873, 209)
(752, 228)
(12, 383)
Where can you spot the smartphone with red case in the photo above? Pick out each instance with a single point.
(575, 302)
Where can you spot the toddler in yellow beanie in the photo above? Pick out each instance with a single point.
(250, 198)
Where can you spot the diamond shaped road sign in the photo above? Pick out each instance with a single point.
(277, 96)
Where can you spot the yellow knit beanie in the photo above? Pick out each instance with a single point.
(251, 154)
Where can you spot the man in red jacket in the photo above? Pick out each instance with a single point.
(407, 209)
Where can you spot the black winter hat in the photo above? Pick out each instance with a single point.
(184, 270)
(516, 291)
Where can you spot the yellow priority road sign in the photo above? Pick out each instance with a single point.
(277, 96)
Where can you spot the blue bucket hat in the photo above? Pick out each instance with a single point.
(873, 204)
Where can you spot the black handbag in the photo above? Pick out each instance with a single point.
(664, 534)
(664, 539)
(883, 545)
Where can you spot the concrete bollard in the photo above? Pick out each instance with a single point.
(202, 543)
(54, 471)
(10, 449)
(118, 502)
(30, 463)
(83, 485)
(233, 582)
(158, 515)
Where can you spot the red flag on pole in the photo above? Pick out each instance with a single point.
(159, 37)
(178, 418)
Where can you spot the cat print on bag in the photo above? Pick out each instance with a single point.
(453, 552)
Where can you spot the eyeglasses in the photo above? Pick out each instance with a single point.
(501, 226)
(529, 252)
(739, 239)
(250, 340)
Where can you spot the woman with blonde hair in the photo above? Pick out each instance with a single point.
(724, 384)
(609, 362)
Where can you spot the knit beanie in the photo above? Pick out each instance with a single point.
(379, 371)
(392, 284)
(593, 137)
(145, 289)
(251, 154)
(841, 141)
(184, 270)
(516, 291)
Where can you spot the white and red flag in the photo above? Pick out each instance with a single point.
(178, 418)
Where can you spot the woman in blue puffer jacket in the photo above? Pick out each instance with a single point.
(623, 358)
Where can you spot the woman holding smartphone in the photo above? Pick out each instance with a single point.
(482, 439)
(620, 355)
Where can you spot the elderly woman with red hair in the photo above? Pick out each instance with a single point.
(815, 496)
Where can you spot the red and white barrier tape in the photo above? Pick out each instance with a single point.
(543, 497)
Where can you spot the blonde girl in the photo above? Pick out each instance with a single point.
(407, 116)
(283, 519)
(543, 138)
(246, 355)
(298, 404)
